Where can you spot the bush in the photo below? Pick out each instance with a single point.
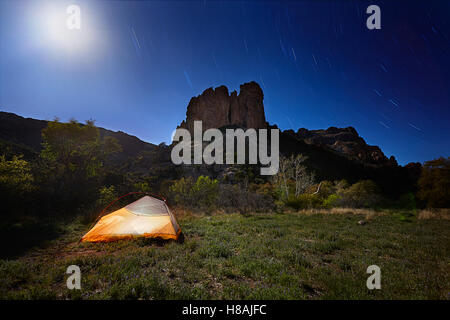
(106, 196)
(331, 201)
(237, 197)
(16, 182)
(304, 201)
(407, 201)
(434, 183)
(180, 192)
(326, 188)
(205, 191)
(15, 176)
(142, 187)
(363, 194)
(199, 194)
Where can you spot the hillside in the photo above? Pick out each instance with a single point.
(23, 135)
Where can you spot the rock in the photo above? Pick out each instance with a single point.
(217, 108)
(346, 141)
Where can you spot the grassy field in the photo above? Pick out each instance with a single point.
(315, 255)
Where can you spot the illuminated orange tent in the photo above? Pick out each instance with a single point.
(147, 217)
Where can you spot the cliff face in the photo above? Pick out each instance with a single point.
(345, 141)
(217, 108)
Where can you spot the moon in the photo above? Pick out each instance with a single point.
(51, 23)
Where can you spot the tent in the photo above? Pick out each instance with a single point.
(147, 217)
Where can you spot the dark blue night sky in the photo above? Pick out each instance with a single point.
(135, 65)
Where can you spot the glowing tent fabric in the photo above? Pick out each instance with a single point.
(147, 217)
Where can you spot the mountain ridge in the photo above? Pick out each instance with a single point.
(26, 133)
(217, 108)
(22, 135)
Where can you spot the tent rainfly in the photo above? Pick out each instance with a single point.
(147, 217)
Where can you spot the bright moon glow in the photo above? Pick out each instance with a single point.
(50, 24)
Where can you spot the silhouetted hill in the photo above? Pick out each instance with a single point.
(331, 165)
(23, 135)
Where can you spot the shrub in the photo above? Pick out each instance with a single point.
(326, 188)
(181, 191)
(407, 201)
(331, 201)
(106, 196)
(16, 182)
(363, 194)
(15, 176)
(238, 197)
(304, 201)
(201, 193)
(434, 183)
(142, 187)
(205, 191)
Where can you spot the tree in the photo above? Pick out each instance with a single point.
(106, 196)
(205, 191)
(76, 149)
(434, 183)
(16, 179)
(181, 191)
(283, 176)
(303, 180)
(362, 194)
(72, 159)
(292, 169)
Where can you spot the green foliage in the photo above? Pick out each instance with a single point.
(201, 193)
(407, 201)
(239, 197)
(434, 183)
(363, 194)
(304, 201)
(326, 189)
(75, 150)
(331, 201)
(142, 186)
(70, 170)
(15, 176)
(292, 177)
(181, 191)
(205, 191)
(16, 185)
(106, 196)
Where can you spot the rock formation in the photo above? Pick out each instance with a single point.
(345, 141)
(217, 108)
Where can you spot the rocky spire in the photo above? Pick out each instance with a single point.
(217, 108)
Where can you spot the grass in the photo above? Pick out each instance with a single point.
(297, 255)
